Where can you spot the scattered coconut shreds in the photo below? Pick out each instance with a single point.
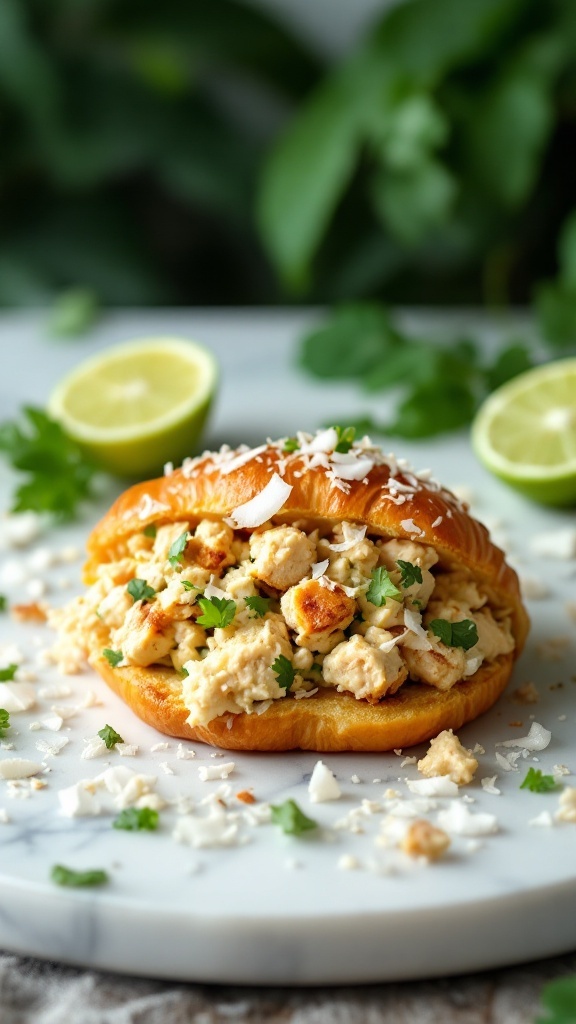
(215, 771)
(542, 820)
(507, 763)
(439, 785)
(489, 785)
(567, 805)
(526, 694)
(184, 753)
(561, 769)
(127, 749)
(538, 738)
(263, 506)
(462, 822)
(18, 768)
(323, 785)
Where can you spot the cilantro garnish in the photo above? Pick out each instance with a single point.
(7, 674)
(217, 612)
(536, 782)
(258, 605)
(455, 634)
(112, 657)
(291, 819)
(177, 549)
(346, 437)
(188, 585)
(410, 573)
(381, 587)
(110, 736)
(150, 531)
(3, 603)
(559, 1000)
(139, 590)
(315, 667)
(4, 720)
(184, 671)
(57, 472)
(67, 876)
(137, 819)
(284, 671)
(291, 445)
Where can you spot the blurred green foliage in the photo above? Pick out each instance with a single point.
(187, 152)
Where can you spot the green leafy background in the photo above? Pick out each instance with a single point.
(189, 153)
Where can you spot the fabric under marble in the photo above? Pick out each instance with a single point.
(34, 992)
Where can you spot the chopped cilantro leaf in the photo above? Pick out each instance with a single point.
(57, 472)
(136, 819)
(315, 667)
(67, 876)
(3, 603)
(188, 585)
(184, 671)
(410, 573)
(381, 587)
(258, 605)
(112, 657)
(291, 819)
(150, 531)
(455, 634)
(346, 437)
(217, 612)
(291, 445)
(536, 782)
(559, 1000)
(284, 671)
(139, 590)
(110, 736)
(7, 674)
(4, 720)
(177, 549)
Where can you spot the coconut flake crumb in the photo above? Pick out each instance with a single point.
(542, 820)
(211, 830)
(127, 749)
(538, 738)
(347, 862)
(215, 771)
(567, 805)
(184, 753)
(94, 747)
(561, 769)
(489, 785)
(436, 785)
(166, 768)
(462, 822)
(323, 785)
(355, 779)
(18, 768)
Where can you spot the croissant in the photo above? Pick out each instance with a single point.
(308, 593)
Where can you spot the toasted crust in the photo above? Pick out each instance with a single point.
(328, 720)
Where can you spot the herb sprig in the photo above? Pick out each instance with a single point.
(258, 605)
(381, 587)
(291, 819)
(110, 736)
(7, 674)
(455, 634)
(217, 612)
(537, 782)
(410, 573)
(76, 879)
(284, 671)
(140, 590)
(4, 721)
(57, 473)
(137, 819)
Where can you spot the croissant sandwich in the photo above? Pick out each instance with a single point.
(311, 592)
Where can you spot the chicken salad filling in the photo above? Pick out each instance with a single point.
(248, 617)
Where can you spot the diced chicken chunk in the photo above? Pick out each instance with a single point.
(422, 555)
(165, 537)
(113, 608)
(144, 637)
(282, 556)
(188, 637)
(391, 613)
(315, 612)
(369, 673)
(425, 840)
(494, 638)
(238, 584)
(211, 546)
(231, 678)
(440, 666)
(447, 756)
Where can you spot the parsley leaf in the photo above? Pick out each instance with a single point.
(139, 590)
(455, 634)
(258, 605)
(4, 720)
(410, 573)
(150, 531)
(291, 819)
(536, 782)
(177, 549)
(110, 736)
(291, 445)
(217, 612)
(381, 587)
(559, 999)
(3, 603)
(284, 671)
(188, 585)
(7, 674)
(135, 819)
(345, 439)
(315, 667)
(112, 657)
(57, 472)
(67, 876)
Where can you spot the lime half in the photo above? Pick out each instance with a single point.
(138, 405)
(525, 433)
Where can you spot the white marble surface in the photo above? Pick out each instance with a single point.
(279, 910)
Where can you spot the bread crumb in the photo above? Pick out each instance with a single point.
(447, 756)
(246, 796)
(31, 612)
(425, 840)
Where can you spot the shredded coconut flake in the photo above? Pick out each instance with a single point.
(264, 505)
(538, 738)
